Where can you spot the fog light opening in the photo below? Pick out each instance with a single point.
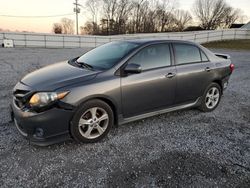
(39, 132)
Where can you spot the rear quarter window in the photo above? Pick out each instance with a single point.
(203, 56)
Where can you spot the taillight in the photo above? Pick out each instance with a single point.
(232, 67)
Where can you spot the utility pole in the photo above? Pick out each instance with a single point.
(107, 20)
(77, 10)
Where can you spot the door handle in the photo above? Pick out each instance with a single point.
(170, 75)
(208, 69)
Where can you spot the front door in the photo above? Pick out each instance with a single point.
(152, 89)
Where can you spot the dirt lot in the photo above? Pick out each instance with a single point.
(179, 149)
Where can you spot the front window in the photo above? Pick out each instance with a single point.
(106, 56)
(154, 56)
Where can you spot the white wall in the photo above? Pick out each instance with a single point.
(78, 41)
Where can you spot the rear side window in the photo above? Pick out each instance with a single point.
(186, 53)
(153, 56)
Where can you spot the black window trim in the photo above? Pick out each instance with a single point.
(184, 43)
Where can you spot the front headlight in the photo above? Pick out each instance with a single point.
(45, 98)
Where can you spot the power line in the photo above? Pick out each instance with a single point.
(49, 16)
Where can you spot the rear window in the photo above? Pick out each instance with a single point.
(186, 53)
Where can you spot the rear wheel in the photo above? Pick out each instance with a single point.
(92, 121)
(211, 98)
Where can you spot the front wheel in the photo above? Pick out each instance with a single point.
(92, 121)
(211, 98)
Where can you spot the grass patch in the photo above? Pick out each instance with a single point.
(229, 44)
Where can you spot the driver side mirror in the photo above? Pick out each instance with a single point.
(133, 69)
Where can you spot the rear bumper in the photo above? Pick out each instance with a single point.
(225, 82)
(45, 128)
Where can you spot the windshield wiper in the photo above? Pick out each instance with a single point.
(85, 65)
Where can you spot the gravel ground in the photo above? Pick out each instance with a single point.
(180, 149)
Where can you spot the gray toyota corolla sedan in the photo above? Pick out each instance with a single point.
(117, 83)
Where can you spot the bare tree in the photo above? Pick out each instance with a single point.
(140, 9)
(57, 28)
(67, 26)
(214, 13)
(137, 16)
(93, 6)
(165, 15)
(232, 15)
(243, 18)
(134, 16)
(110, 8)
(182, 19)
(152, 16)
(122, 15)
(90, 28)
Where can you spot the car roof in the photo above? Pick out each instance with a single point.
(153, 41)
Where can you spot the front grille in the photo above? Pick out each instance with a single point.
(21, 97)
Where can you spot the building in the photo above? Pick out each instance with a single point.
(246, 26)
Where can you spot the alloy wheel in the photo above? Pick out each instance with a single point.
(93, 123)
(212, 97)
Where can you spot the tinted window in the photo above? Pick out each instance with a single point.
(203, 57)
(153, 56)
(186, 53)
(106, 56)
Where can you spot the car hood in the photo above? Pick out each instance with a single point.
(58, 75)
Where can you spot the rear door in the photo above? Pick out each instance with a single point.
(154, 87)
(194, 72)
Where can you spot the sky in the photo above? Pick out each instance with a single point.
(62, 7)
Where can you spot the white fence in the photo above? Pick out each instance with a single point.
(79, 41)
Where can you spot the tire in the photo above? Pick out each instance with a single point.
(92, 121)
(213, 94)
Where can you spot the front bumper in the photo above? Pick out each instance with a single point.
(45, 128)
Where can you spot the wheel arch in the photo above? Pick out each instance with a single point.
(219, 82)
(113, 105)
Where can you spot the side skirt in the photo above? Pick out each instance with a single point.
(150, 114)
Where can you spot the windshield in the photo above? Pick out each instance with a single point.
(106, 56)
